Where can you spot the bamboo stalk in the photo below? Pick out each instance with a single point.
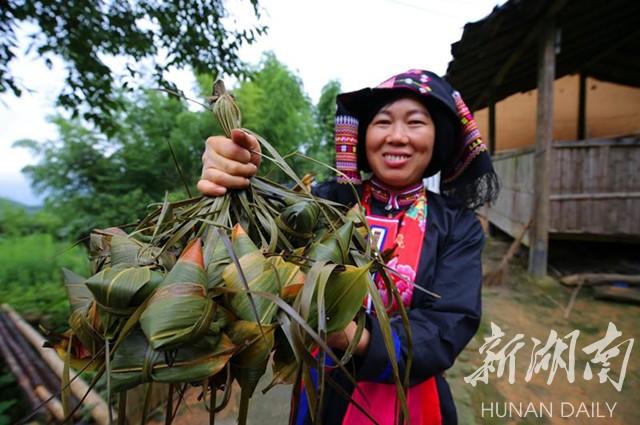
(99, 410)
(27, 365)
(13, 365)
(53, 404)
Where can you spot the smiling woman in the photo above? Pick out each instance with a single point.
(411, 126)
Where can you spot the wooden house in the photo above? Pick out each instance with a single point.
(555, 86)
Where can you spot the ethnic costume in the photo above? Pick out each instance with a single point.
(436, 242)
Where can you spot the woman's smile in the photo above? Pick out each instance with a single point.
(396, 160)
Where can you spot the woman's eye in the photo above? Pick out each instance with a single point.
(382, 121)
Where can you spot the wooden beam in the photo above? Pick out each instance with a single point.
(593, 196)
(523, 48)
(539, 236)
(492, 127)
(582, 107)
(592, 279)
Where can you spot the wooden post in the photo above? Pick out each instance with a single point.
(492, 126)
(582, 107)
(539, 237)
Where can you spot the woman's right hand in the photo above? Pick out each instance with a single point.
(228, 163)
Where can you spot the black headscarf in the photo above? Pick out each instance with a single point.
(467, 174)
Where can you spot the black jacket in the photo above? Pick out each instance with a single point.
(450, 265)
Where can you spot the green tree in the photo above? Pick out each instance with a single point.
(17, 220)
(84, 32)
(94, 181)
(326, 118)
(274, 104)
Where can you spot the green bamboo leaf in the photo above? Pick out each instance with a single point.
(84, 319)
(119, 289)
(335, 247)
(164, 216)
(189, 267)
(211, 243)
(245, 283)
(248, 366)
(278, 159)
(385, 327)
(177, 314)
(249, 211)
(117, 286)
(77, 292)
(124, 250)
(204, 359)
(184, 295)
(260, 276)
(302, 352)
(254, 348)
(284, 365)
(393, 290)
(196, 362)
(322, 330)
(344, 295)
(100, 246)
(290, 277)
(225, 109)
(217, 264)
(299, 220)
(253, 265)
(242, 243)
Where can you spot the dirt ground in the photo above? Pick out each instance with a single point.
(534, 309)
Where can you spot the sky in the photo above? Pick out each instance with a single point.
(358, 42)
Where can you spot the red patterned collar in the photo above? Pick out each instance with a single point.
(395, 199)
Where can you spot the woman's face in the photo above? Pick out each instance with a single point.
(399, 142)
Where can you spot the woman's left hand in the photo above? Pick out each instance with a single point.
(341, 339)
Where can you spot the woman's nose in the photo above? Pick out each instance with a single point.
(397, 134)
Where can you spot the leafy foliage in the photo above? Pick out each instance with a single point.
(95, 181)
(324, 150)
(18, 220)
(274, 104)
(84, 33)
(31, 275)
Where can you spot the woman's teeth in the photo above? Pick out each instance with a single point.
(396, 157)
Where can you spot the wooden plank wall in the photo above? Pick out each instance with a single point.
(595, 189)
(512, 210)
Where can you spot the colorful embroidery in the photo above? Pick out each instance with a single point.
(404, 236)
(346, 148)
(472, 144)
(395, 199)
